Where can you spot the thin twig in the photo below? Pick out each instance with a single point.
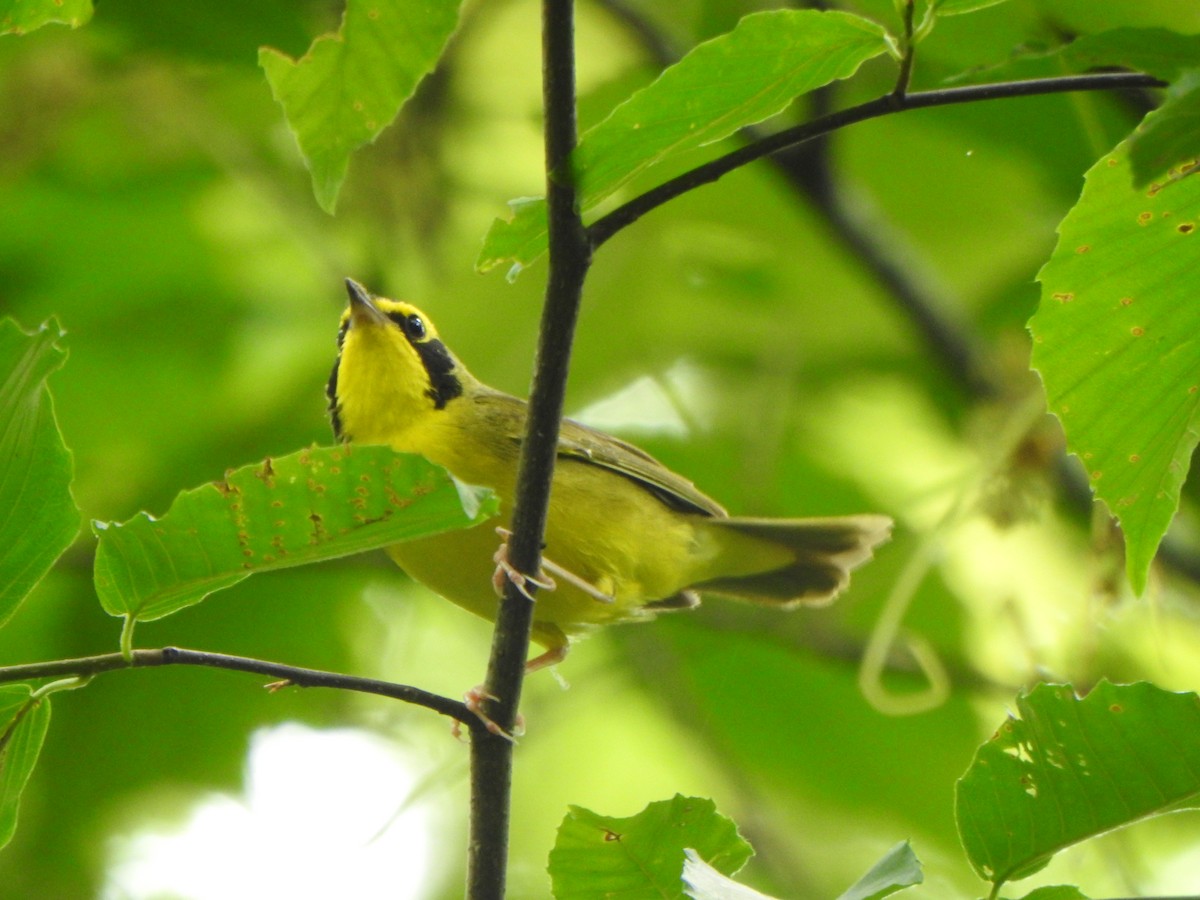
(622, 217)
(807, 168)
(570, 257)
(88, 666)
(909, 49)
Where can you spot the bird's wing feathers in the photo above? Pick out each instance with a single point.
(583, 444)
(576, 441)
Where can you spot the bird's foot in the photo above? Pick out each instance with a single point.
(506, 570)
(475, 699)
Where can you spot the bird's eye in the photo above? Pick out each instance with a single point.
(414, 327)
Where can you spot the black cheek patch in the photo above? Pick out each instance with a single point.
(438, 362)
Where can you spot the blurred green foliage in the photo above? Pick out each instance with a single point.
(155, 202)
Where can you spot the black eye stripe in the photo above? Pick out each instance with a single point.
(412, 325)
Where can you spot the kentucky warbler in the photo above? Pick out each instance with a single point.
(637, 538)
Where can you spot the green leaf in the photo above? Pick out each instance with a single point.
(960, 7)
(1167, 55)
(1156, 51)
(1056, 892)
(702, 882)
(1171, 135)
(1069, 768)
(309, 506)
(23, 724)
(599, 856)
(899, 868)
(21, 16)
(722, 85)
(38, 518)
(350, 85)
(1115, 344)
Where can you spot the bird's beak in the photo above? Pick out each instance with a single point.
(363, 310)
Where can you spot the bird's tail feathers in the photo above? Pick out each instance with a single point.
(824, 553)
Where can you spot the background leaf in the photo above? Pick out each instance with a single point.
(960, 7)
(21, 16)
(308, 506)
(899, 868)
(23, 725)
(740, 78)
(38, 517)
(349, 86)
(1156, 51)
(1114, 340)
(642, 855)
(1056, 892)
(1067, 768)
(1171, 136)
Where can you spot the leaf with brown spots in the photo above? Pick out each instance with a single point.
(1121, 359)
(642, 855)
(309, 506)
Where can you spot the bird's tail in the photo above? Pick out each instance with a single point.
(819, 555)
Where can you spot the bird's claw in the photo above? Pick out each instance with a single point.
(506, 571)
(475, 699)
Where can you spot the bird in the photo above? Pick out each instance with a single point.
(627, 537)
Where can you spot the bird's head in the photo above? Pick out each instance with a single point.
(391, 371)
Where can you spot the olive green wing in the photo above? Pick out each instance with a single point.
(577, 441)
(583, 444)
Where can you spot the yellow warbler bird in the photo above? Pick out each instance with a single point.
(627, 536)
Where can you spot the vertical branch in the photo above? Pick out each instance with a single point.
(570, 256)
(909, 48)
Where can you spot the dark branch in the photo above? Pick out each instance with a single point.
(570, 257)
(88, 666)
(607, 226)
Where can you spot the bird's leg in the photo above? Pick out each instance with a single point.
(505, 569)
(571, 578)
(476, 697)
(551, 657)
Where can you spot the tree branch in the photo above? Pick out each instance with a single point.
(88, 666)
(622, 217)
(570, 257)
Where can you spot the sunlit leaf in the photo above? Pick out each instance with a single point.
(313, 505)
(702, 882)
(1068, 768)
(38, 518)
(599, 856)
(899, 868)
(1115, 343)
(23, 724)
(21, 16)
(350, 85)
(737, 79)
